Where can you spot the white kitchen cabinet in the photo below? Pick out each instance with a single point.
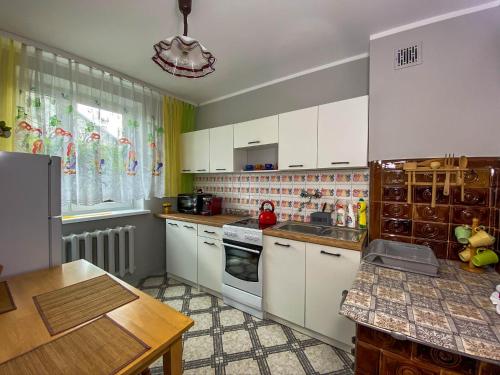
(298, 139)
(210, 232)
(343, 133)
(221, 149)
(182, 244)
(329, 271)
(259, 132)
(210, 263)
(284, 278)
(195, 152)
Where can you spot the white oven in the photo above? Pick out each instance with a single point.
(242, 267)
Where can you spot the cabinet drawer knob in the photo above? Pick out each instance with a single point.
(188, 226)
(209, 231)
(339, 162)
(253, 142)
(220, 169)
(173, 224)
(282, 244)
(201, 170)
(295, 165)
(186, 170)
(332, 254)
(209, 243)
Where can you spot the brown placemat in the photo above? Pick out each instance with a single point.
(6, 301)
(65, 308)
(100, 347)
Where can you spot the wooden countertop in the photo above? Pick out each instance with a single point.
(214, 221)
(358, 246)
(158, 325)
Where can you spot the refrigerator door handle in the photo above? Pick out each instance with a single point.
(54, 171)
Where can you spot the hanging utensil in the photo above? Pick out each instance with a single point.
(462, 164)
(448, 164)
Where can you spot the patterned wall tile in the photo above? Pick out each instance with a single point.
(247, 191)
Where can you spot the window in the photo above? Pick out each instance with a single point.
(107, 131)
(110, 123)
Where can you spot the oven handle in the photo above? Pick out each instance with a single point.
(242, 248)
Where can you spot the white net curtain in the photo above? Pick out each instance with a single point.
(108, 131)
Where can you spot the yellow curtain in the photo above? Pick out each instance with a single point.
(9, 55)
(178, 117)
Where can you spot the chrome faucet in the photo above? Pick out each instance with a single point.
(304, 194)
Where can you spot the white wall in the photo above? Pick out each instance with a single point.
(449, 103)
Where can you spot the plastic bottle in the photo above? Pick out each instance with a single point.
(362, 213)
(340, 221)
(351, 218)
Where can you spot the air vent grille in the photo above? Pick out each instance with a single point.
(408, 56)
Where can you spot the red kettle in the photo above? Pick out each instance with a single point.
(267, 217)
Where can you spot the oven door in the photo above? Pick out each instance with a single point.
(243, 267)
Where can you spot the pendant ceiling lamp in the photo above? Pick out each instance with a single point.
(181, 55)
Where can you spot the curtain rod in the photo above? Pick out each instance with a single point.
(82, 60)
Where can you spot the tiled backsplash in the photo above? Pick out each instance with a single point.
(391, 217)
(246, 191)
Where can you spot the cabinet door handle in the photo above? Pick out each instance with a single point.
(281, 244)
(188, 226)
(173, 224)
(253, 142)
(209, 243)
(186, 170)
(332, 254)
(344, 296)
(339, 162)
(295, 165)
(220, 169)
(209, 231)
(201, 170)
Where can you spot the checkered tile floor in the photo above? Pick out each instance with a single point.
(225, 340)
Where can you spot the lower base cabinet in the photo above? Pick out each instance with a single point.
(329, 271)
(210, 263)
(182, 249)
(284, 278)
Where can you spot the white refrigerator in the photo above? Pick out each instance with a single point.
(30, 212)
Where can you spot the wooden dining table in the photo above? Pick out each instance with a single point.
(156, 324)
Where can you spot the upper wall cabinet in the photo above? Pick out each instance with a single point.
(343, 133)
(262, 131)
(195, 152)
(221, 149)
(298, 139)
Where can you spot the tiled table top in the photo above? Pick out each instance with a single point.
(451, 312)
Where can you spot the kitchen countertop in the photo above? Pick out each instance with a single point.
(452, 312)
(325, 241)
(214, 221)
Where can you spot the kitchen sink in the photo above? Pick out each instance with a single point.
(301, 228)
(338, 233)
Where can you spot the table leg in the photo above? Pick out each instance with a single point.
(172, 360)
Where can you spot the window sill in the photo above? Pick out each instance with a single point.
(69, 219)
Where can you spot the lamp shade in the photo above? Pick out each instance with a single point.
(183, 56)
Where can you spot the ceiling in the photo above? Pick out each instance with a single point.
(255, 41)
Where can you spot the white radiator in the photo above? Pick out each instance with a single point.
(110, 252)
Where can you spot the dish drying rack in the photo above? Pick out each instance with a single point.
(453, 175)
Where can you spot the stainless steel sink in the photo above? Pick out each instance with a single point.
(301, 228)
(338, 233)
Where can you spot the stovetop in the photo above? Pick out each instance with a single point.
(251, 223)
(245, 231)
